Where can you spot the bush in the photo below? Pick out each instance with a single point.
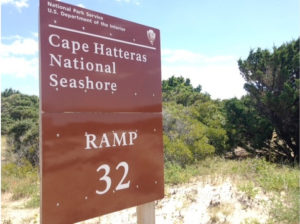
(19, 120)
(178, 152)
(24, 141)
(186, 139)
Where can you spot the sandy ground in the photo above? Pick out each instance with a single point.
(200, 201)
(14, 212)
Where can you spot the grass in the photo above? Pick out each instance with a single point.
(250, 221)
(219, 213)
(21, 182)
(248, 188)
(286, 210)
(250, 175)
(175, 174)
(259, 173)
(34, 201)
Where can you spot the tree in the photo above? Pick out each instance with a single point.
(180, 90)
(16, 106)
(19, 120)
(244, 125)
(272, 81)
(9, 92)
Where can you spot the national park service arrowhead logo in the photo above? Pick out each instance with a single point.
(151, 36)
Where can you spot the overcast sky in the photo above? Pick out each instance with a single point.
(200, 39)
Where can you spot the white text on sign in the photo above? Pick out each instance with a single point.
(108, 140)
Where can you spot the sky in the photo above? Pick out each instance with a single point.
(200, 39)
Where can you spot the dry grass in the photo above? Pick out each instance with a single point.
(220, 213)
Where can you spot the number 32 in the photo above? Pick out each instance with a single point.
(107, 179)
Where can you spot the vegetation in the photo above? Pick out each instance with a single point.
(272, 81)
(21, 181)
(19, 122)
(193, 124)
(245, 126)
(20, 146)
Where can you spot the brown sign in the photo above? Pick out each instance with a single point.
(101, 120)
(95, 62)
(98, 163)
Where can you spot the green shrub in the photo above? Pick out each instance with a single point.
(177, 152)
(19, 118)
(186, 138)
(202, 149)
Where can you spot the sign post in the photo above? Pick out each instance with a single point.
(101, 114)
(146, 213)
